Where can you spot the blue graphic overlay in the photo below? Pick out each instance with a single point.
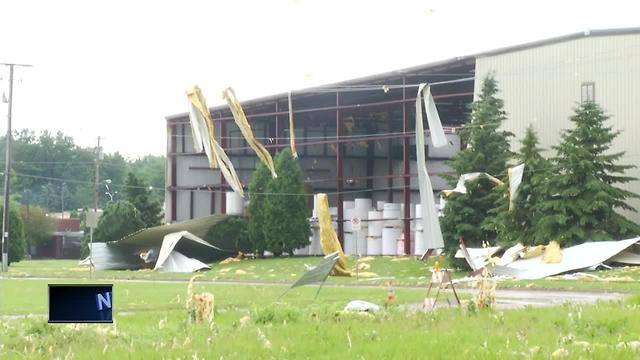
(80, 303)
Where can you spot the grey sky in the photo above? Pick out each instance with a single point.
(117, 68)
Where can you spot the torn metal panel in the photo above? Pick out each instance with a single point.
(107, 257)
(627, 257)
(157, 245)
(462, 188)
(169, 243)
(576, 257)
(176, 262)
(478, 256)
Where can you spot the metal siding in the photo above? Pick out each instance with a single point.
(541, 86)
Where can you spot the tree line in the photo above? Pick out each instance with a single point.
(52, 172)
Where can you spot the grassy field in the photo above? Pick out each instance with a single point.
(402, 271)
(151, 323)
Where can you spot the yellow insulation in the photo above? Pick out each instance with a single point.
(194, 94)
(552, 254)
(217, 157)
(245, 128)
(329, 238)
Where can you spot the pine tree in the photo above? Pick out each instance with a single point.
(118, 220)
(17, 242)
(256, 212)
(487, 151)
(138, 193)
(286, 214)
(487, 147)
(518, 224)
(582, 197)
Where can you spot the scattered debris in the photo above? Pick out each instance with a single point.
(200, 306)
(360, 305)
(561, 352)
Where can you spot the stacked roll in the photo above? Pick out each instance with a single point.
(234, 203)
(362, 208)
(349, 236)
(374, 233)
(392, 228)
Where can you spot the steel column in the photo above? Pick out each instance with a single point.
(407, 169)
(173, 182)
(340, 173)
(277, 134)
(223, 143)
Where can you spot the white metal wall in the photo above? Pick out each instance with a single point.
(542, 85)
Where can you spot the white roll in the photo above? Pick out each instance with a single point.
(374, 245)
(390, 237)
(315, 206)
(363, 206)
(391, 214)
(235, 203)
(349, 243)
(302, 251)
(374, 224)
(380, 205)
(316, 248)
(348, 205)
(420, 246)
(348, 214)
(362, 242)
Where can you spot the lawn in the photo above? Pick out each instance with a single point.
(151, 324)
(402, 271)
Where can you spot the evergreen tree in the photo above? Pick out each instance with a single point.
(465, 214)
(487, 147)
(487, 151)
(118, 220)
(286, 214)
(582, 197)
(518, 224)
(256, 213)
(138, 193)
(17, 242)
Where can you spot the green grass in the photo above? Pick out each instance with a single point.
(405, 271)
(151, 324)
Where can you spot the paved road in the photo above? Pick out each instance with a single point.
(506, 298)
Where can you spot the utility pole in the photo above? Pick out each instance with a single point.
(7, 174)
(95, 204)
(64, 184)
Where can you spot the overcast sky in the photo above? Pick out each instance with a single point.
(116, 68)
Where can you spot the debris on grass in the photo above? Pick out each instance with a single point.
(263, 339)
(560, 353)
(360, 305)
(240, 272)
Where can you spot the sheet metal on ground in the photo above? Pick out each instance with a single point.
(124, 253)
(577, 257)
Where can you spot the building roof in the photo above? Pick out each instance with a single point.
(434, 66)
(560, 39)
(72, 224)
